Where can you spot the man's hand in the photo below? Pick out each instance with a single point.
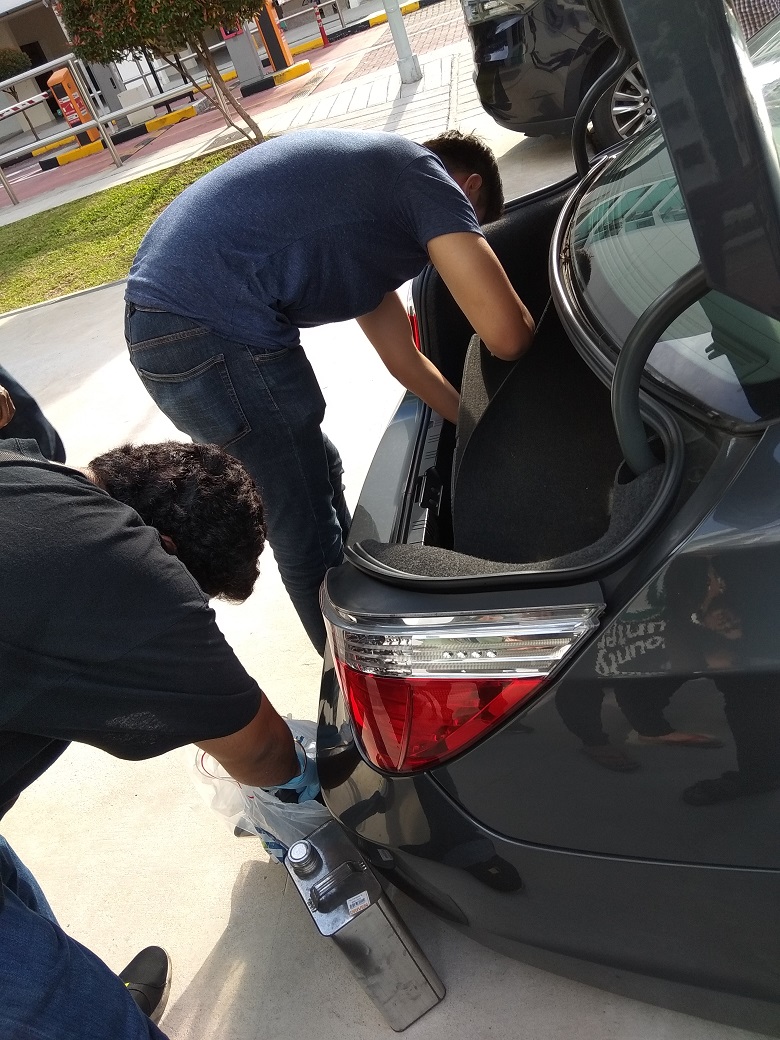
(390, 334)
(7, 409)
(261, 754)
(479, 285)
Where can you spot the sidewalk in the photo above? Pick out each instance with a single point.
(353, 83)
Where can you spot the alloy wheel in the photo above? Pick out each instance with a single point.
(632, 107)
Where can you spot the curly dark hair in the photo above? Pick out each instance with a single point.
(201, 498)
(467, 154)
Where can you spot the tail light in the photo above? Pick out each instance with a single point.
(422, 689)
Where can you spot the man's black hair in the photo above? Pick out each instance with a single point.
(467, 154)
(201, 498)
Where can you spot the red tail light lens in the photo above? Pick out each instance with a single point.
(421, 690)
(409, 724)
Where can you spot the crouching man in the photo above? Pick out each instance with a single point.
(108, 639)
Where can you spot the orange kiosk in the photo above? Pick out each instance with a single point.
(72, 104)
(273, 38)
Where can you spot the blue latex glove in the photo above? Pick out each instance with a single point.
(306, 783)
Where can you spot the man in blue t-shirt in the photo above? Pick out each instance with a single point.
(310, 228)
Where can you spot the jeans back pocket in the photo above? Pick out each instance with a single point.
(200, 402)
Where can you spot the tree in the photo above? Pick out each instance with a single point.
(103, 31)
(14, 63)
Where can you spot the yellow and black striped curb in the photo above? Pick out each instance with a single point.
(380, 19)
(300, 68)
(119, 137)
(273, 79)
(81, 152)
(49, 147)
(356, 27)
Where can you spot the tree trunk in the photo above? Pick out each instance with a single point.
(217, 100)
(187, 75)
(201, 49)
(15, 96)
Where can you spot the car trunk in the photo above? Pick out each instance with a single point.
(532, 483)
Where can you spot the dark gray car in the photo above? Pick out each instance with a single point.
(534, 62)
(551, 710)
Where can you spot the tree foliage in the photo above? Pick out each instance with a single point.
(106, 30)
(103, 31)
(13, 63)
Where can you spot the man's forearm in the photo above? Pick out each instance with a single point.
(260, 755)
(426, 381)
(389, 332)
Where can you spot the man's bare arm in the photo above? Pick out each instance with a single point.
(389, 332)
(261, 754)
(480, 287)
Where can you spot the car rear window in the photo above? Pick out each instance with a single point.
(631, 239)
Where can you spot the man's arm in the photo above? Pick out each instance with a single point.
(261, 754)
(389, 332)
(479, 285)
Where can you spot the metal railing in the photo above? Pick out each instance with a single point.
(98, 120)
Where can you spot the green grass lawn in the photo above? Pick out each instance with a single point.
(92, 240)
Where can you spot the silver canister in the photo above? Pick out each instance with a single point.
(346, 903)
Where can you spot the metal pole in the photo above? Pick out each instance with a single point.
(88, 102)
(408, 63)
(153, 71)
(321, 25)
(8, 188)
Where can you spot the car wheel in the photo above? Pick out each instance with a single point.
(623, 111)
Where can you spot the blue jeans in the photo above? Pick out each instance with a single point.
(266, 408)
(29, 422)
(51, 987)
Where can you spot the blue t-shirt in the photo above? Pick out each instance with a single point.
(308, 228)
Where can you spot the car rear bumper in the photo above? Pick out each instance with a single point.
(602, 919)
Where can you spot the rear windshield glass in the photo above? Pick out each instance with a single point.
(631, 240)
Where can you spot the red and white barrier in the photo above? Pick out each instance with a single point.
(20, 106)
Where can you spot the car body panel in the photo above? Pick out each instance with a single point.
(533, 68)
(521, 839)
(578, 905)
(651, 650)
(384, 495)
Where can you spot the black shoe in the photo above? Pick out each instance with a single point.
(148, 979)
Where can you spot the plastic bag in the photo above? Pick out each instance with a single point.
(288, 822)
(278, 824)
(217, 788)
